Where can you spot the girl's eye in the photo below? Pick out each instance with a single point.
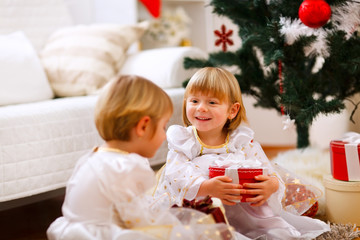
(212, 102)
(193, 101)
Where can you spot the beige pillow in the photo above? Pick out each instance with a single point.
(80, 60)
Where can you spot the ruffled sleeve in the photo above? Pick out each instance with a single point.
(182, 139)
(181, 178)
(239, 137)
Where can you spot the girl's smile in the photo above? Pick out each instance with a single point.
(202, 118)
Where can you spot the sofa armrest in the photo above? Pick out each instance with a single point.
(163, 66)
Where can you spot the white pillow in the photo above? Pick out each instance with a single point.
(163, 66)
(22, 77)
(80, 60)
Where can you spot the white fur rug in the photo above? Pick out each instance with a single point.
(311, 164)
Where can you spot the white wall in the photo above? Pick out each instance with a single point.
(268, 127)
(103, 11)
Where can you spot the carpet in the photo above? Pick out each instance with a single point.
(340, 231)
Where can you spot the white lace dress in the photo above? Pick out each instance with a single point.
(105, 199)
(187, 167)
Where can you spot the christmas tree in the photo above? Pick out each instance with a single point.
(299, 66)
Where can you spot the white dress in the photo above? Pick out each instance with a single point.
(105, 199)
(187, 167)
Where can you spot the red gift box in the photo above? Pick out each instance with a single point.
(246, 175)
(345, 160)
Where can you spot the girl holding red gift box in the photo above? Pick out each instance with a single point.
(214, 117)
(105, 196)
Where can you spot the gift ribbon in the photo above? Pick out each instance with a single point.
(352, 155)
(232, 172)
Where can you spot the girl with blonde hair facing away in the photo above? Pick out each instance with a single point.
(106, 194)
(215, 134)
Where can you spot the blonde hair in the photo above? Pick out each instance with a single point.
(221, 84)
(124, 101)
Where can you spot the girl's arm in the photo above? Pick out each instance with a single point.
(181, 178)
(271, 187)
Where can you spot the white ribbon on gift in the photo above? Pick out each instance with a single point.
(352, 155)
(232, 172)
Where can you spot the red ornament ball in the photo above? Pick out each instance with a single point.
(311, 212)
(314, 13)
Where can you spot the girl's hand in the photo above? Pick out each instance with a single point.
(221, 187)
(262, 190)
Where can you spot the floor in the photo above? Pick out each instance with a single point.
(30, 222)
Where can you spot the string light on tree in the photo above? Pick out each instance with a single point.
(314, 13)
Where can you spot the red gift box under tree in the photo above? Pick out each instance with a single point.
(345, 157)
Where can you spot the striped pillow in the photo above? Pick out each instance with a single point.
(80, 60)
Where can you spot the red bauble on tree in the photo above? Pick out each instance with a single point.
(314, 13)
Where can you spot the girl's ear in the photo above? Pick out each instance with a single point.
(142, 126)
(234, 109)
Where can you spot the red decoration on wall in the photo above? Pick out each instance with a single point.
(314, 13)
(153, 6)
(223, 38)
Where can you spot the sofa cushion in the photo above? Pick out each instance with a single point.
(80, 60)
(22, 77)
(163, 66)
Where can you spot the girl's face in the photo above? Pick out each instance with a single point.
(154, 142)
(207, 113)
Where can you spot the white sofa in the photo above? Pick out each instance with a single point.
(42, 136)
